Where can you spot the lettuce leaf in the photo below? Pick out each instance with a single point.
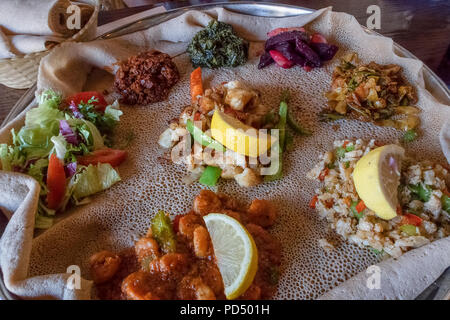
(89, 132)
(104, 121)
(43, 222)
(10, 157)
(113, 112)
(44, 216)
(46, 115)
(41, 124)
(94, 179)
(59, 146)
(51, 98)
(36, 170)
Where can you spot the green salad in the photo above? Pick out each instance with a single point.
(64, 146)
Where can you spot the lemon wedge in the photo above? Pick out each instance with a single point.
(235, 251)
(238, 136)
(377, 176)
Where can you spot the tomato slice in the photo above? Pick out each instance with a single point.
(409, 218)
(323, 174)
(56, 182)
(112, 156)
(86, 96)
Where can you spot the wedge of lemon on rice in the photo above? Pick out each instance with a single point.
(377, 177)
(235, 251)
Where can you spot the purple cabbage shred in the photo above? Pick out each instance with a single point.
(70, 169)
(76, 112)
(67, 132)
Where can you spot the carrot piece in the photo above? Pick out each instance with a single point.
(348, 201)
(312, 203)
(360, 206)
(196, 84)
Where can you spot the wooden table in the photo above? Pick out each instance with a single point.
(422, 27)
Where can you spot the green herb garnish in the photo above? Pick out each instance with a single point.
(445, 200)
(410, 135)
(349, 148)
(340, 153)
(421, 191)
(378, 252)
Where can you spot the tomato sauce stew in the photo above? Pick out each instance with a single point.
(175, 259)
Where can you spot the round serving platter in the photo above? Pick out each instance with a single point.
(263, 9)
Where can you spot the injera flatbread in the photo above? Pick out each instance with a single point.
(119, 216)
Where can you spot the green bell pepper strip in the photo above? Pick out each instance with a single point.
(279, 174)
(162, 232)
(210, 176)
(282, 123)
(297, 127)
(280, 147)
(409, 229)
(203, 138)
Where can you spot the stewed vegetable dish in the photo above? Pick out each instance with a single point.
(372, 93)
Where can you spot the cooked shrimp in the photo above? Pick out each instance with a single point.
(206, 104)
(207, 202)
(103, 266)
(187, 225)
(212, 278)
(145, 248)
(268, 247)
(262, 212)
(202, 291)
(234, 214)
(228, 202)
(201, 242)
(136, 287)
(190, 288)
(170, 263)
(248, 178)
(252, 293)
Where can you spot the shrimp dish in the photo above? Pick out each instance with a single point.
(176, 260)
